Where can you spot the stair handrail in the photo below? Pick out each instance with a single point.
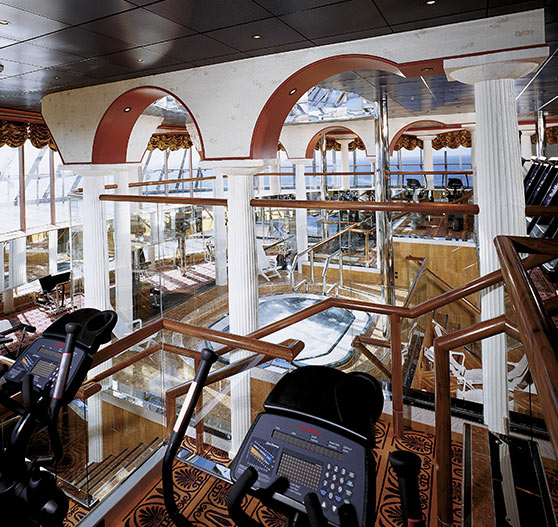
(442, 402)
(538, 333)
(311, 251)
(440, 281)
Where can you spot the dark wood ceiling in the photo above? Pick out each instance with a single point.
(53, 45)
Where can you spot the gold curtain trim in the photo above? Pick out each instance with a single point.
(14, 134)
(170, 141)
(39, 135)
(550, 135)
(452, 140)
(356, 144)
(409, 142)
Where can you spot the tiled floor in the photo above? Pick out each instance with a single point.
(202, 498)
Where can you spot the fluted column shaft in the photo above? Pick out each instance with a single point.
(301, 214)
(95, 251)
(428, 160)
(345, 179)
(501, 201)
(275, 181)
(220, 231)
(243, 290)
(123, 250)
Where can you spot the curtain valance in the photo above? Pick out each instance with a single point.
(14, 134)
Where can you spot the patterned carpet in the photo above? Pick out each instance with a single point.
(202, 498)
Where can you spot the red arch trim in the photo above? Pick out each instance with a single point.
(310, 147)
(113, 133)
(272, 117)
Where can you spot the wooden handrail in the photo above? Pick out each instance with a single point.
(232, 341)
(370, 206)
(134, 184)
(546, 212)
(209, 202)
(538, 334)
(382, 309)
(442, 346)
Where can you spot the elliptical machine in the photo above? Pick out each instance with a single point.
(48, 373)
(308, 455)
(454, 191)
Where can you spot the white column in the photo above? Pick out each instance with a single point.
(501, 196)
(219, 230)
(345, 179)
(17, 271)
(53, 251)
(502, 211)
(243, 286)
(123, 251)
(301, 214)
(95, 282)
(275, 181)
(95, 250)
(427, 159)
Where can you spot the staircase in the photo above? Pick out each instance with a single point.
(97, 480)
(504, 483)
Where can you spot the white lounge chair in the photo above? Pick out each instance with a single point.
(266, 269)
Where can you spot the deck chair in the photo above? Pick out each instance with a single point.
(465, 378)
(53, 292)
(517, 374)
(266, 269)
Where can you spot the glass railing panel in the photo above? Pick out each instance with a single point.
(123, 423)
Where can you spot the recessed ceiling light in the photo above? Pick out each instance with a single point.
(430, 2)
(127, 109)
(57, 78)
(256, 37)
(292, 92)
(5, 22)
(139, 60)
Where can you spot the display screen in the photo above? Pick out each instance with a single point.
(307, 445)
(43, 369)
(50, 353)
(299, 471)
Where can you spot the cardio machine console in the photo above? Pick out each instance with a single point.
(312, 458)
(42, 360)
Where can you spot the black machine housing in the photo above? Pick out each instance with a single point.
(29, 495)
(316, 435)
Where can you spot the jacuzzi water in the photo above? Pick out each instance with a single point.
(327, 335)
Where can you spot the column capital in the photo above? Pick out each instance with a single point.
(493, 66)
(92, 169)
(427, 137)
(238, 167)
(527, 130)
(300, 161)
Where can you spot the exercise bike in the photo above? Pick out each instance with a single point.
(48, 373)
